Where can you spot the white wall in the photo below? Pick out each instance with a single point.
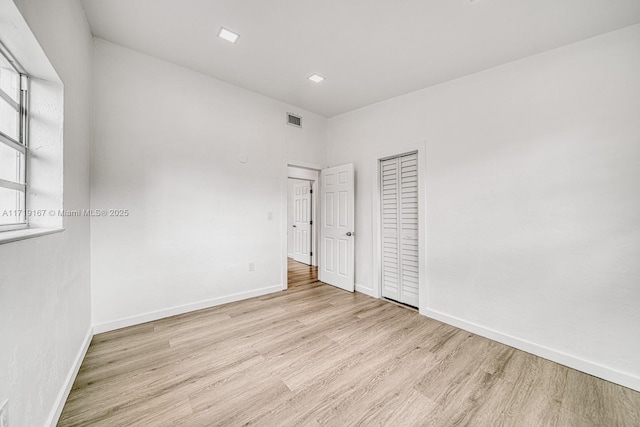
(532, 198)
(44, 282)
(168, 142)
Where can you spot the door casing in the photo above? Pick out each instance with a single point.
(312, 174)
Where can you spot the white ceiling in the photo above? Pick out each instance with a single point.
(368, 50)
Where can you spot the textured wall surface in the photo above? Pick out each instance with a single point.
(532, 216)
(170, 145)
(45, 282)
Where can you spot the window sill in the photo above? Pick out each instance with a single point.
(26, 233)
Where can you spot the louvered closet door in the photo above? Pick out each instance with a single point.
(390, 229)
(399, 202)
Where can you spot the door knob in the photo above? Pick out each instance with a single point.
(350, 234)
(294, 226)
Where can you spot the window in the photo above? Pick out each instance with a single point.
(13, 142)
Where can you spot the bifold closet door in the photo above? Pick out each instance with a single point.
(399, 204)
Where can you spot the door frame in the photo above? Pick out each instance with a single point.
(313, 167)
(419, 148)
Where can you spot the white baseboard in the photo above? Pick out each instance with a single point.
(290, 255)
(365, 290)
(71, 377)
(623, 378)
(185, 308)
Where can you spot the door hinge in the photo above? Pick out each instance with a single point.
(311, 191)
(310, 253)
(310, 222)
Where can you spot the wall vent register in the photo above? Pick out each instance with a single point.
(294, 120)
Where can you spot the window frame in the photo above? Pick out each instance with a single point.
(21, 144)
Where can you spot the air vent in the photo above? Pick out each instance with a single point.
(294, 120)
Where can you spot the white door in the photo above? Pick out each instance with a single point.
(399, 204)
(337, 227)
(302, 222)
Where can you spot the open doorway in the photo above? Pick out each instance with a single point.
(300, 240)
(299, 222)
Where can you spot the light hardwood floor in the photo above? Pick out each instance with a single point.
(300, 274)
(316, 355)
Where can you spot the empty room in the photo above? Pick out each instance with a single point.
(284, 212)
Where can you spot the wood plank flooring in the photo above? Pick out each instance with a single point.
(300, 274)
(316, 355)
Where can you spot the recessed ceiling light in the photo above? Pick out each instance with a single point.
(227, 35)
(316, 78)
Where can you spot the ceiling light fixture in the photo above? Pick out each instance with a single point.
(227, 35)
(316, 78)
